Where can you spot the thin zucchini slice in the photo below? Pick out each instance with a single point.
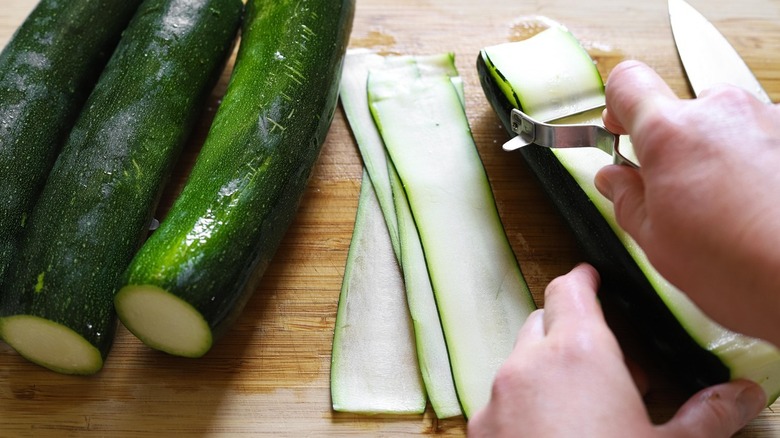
(354, 100)
(430, 345)
(690, 346)
(569, 83)
(374, 364)
(480, 293)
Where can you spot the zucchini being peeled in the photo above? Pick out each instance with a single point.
(47, 70)
(98, 200)
(689, 345)
(192, 277)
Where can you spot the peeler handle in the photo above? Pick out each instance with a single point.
(531, 131)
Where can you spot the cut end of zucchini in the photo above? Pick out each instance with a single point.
(51, 345)
(163, 321)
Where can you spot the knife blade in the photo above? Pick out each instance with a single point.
(707, 56)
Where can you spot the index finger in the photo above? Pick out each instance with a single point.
(570, 301)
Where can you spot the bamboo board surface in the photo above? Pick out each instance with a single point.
(269, 375)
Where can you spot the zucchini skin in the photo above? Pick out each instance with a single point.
(246, 185)
(99, 198)
(47, 70)
(624, 286)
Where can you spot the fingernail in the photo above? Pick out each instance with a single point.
(751, 401)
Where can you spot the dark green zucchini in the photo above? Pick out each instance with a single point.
(690, 347)
(191, 278)
(97, 203)
(47, 70)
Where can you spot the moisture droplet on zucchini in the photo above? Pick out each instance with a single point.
(480, 292)
(246, 185)
(43, 83)
(692, 347)
(97, 202)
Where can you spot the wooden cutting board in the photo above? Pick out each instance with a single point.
(269, 375)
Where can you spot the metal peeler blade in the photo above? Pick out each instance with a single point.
(531, 131)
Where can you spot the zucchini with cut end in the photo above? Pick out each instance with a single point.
(689, 345)
(47, 70)
(480, 292)
(98, 200)
(192, 277)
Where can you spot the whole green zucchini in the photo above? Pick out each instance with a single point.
(47, 70)
(191, 277)
(98, 201)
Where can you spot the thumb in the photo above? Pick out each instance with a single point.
(632, 87)
(624, 187)
(718, 411)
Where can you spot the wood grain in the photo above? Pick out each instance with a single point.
(269, 375)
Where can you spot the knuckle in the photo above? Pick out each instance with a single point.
(512, 381)
(652, 135)
(624, 206)
(559, 285)
(719, 409)
(509, 378)
(577, 349)
(728, 92)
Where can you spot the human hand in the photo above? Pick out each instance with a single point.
(704, 205)
(566, 377)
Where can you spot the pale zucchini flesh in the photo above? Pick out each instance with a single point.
(744, 357)
(164, 321)
(480, 292)
(51, 345)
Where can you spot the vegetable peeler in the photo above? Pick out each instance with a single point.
(531, 131)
